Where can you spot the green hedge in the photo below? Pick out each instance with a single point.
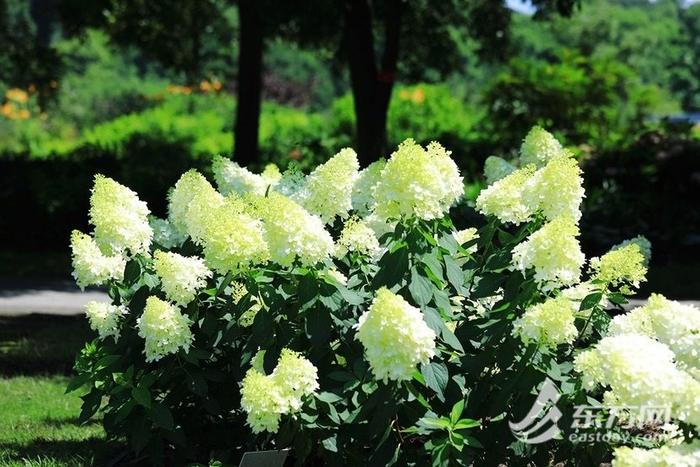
(45, 178)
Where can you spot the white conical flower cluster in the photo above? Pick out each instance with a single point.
(395, 337)
(418, 182)
(265, 398)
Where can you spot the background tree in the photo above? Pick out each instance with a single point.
(26, 58)
(378, 36)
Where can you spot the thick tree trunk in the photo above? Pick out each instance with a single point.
(387, 73)
(371, 88)
(359, 46)
(249, 83)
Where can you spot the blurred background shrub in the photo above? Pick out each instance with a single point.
(618, 81)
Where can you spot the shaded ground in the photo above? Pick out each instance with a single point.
(38, 421)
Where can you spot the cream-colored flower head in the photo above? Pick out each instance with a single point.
(681, 455)
(642, 242)
(496, 168)
(327, 191)
(357, 236)
(164, 328)
(120, 217)
(395, 337)
(548, 324)
(539, 147)
(180, 276)
(292, 232)
(232, 238)
(675, 324)
(467, 235)
(232, 178)
(504, 198)
(90, 265)
(418, 182)
(556, 189)
(553, 252)
(202, 210)
(622, 265)
(271, 174)
(296, 377)
(262, 401)
(105, 318)
(190, 185)
(336, 276)
(265, 398)
(639, 371)
(363, 191)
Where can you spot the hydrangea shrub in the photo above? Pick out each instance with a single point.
(344, 315)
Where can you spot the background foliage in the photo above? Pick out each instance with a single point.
(72, 105)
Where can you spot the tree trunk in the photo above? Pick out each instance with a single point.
(249, 83)
(387, 73)
(371, 88)
(359, 46)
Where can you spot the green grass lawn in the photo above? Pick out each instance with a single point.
(38, 422)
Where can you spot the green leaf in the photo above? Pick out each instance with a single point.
(456, 411)
(328, 397)
(498, 261)
(162, 417)
(590, 301)
(436, 377)
(600, 321)
(329, 444)
(431, 261)
(142, 395)
(421, 288)
(132, 272)
(450, 339)
(435, 423)
(473, 442)
(487, 285)
(77, 381)
(91, 403)
(392, 267)
(308, 291)
(224, 283)
(454, 274)
(466, 423)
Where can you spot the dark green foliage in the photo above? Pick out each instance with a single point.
(599, 102)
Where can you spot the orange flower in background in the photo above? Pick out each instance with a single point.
(17, 95)
(176, 89)
(23, 114)
(205, 86)
(7, 110)
(418, 96)
(217, 85)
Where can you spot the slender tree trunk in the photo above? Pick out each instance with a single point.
(371, 88)
(249, 83)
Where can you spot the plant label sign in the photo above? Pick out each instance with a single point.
(264, 458)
